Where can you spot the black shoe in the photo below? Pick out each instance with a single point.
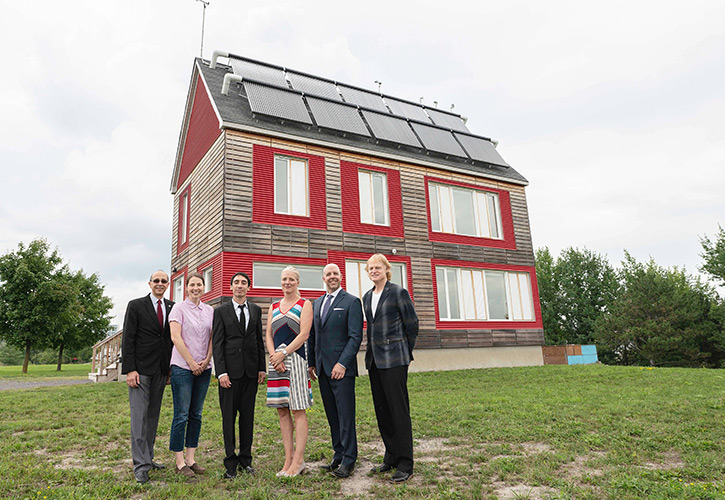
(401, 477)
(344, 471)
(157, 466)
(230, 474)
(142, 476)
(381, 468)
(331, 466)
(247, 470)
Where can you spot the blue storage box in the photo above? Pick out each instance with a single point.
(588, 359)
(589, 349)
(575, 360)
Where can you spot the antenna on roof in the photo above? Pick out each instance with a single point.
(452, 106)
(380, 84)
(203, 21)
(421, 99)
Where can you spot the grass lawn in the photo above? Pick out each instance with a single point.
(15, 372)
(559, 432)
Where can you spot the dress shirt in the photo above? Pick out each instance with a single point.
(334, 296)
(246, 312)
(195, 324)
(154, 300)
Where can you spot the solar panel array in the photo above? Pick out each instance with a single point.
(285, 94)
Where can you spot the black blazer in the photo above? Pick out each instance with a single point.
(146, 347)
(238, 352)
(392, 333)
(338, 338)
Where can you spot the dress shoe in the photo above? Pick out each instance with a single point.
(142, 476)
(157, 466)
(344, 471)
(301, 470)
(381, 468)
(230, 474)
(185, 471)
(281, 474)
(401, 477)
(331, 466)
(247, 470)
(198, 469)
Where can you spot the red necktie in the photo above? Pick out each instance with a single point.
(160, 314)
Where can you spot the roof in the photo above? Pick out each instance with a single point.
(278, 101)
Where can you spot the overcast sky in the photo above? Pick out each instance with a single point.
(614, 111)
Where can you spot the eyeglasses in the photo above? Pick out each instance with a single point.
(157, 280)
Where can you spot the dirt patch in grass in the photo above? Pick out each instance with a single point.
(505, 492)
(579, 468)
(670, 460)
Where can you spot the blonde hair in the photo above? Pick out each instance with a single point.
(384, 261)
(291, 270)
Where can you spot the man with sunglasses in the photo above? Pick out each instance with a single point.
(146, 354)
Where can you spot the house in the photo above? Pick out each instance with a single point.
(278, 167)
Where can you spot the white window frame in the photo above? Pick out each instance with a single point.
(297, 195)
(184, 218)
(357, 281)
(179, 288)
(208, 274)
(485, 211)
(314, 276)
(473, 294)
(367, 195)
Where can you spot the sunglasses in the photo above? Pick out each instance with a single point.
(157, 280)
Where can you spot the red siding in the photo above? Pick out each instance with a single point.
(351, 207)
(263, 189)
(218, 286)
(507, 221)
(338, 257)
(459, 325)
(203, 130)
(183, 245)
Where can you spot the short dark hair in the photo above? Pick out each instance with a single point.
(240, 273)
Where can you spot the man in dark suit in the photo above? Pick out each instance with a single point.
(392, 329)
(333, 344)
(240, 366)
(146, 352)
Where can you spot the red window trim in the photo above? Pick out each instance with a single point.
(350, 192)
(263, 189)
(504, 200)
(339, 258)
(217, 284)
(183, 271)
(183, 245)
(462, 324)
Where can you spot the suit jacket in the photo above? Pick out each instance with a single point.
(146, 347)
(337, 339)
(238, 351)
(392, 332)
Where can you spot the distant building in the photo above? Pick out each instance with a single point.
(277, 167)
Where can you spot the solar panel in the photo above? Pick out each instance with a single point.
(436, 139)
(409, 110)
(363, 98)
(481, 149)
(276, 102)
(337, 116)
(391, 128)
(316, 86)
(447, 120)
(259, 72)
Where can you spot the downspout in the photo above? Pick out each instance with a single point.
(228, 79)
(216, 55)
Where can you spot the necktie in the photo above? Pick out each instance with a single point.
(325, 306)
(242, 318)
(159, 313)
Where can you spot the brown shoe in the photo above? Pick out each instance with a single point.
(185, 471)
(198, 469)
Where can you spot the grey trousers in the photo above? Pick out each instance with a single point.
(145, 401)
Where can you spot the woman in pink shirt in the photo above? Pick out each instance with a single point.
(190, 323)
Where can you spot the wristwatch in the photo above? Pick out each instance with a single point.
(284, 351)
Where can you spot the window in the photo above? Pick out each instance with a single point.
(182, 241)
(373, 188)
(357, 281)
(208, 275)
(484, 295)
(178, 289)
(291, 186)
(460, 210)
(268, 274)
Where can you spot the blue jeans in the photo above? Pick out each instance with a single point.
(189, 392)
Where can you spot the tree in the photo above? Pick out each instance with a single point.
(714, 256)
(42, 303)
(577, 289)
(662, 317)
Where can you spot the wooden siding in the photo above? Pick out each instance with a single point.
(242, 235)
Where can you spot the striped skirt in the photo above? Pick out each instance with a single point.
(291, 389)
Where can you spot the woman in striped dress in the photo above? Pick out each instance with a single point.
(288, 386)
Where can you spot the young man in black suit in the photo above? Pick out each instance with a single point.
(146, 352)
(240, 366)
(392, 329)
(333, 344)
